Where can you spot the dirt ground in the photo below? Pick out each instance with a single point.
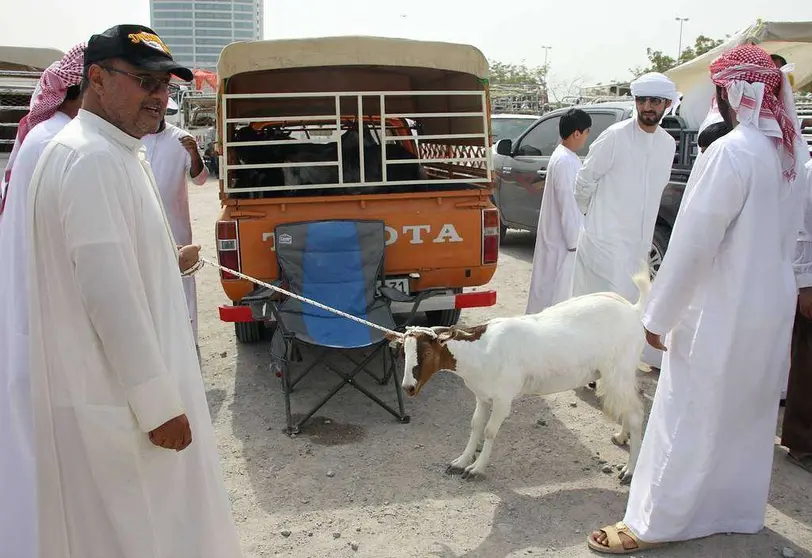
(358, 483)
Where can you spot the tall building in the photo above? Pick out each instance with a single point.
(196, 31)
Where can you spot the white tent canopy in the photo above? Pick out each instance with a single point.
(792, 40)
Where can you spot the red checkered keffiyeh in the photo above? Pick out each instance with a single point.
(47, 98)
(53, 86)
(754, 89)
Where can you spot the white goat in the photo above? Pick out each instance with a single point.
(584, 339)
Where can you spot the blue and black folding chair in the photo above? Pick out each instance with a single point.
(339, 264)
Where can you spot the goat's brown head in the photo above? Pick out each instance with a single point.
(425, 353)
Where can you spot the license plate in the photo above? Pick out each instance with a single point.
(399, 283)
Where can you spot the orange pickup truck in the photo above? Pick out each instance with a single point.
(359, 128)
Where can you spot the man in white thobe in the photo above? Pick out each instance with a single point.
(559, 218)
(619, 190)
(725, 296)
(174, 158)
(796, 428)
(56, 101)
(116, 385)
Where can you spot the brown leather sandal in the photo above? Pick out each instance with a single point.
(614, 544)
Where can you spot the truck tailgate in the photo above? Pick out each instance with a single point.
(437, 235)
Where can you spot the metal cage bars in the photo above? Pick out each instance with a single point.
(336, 137)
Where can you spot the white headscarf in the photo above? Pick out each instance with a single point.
(655, 84)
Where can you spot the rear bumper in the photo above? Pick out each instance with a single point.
(236, 314)
(450, 301)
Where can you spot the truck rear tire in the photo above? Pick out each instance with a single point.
(659, 245)
(248, 332)
(444, 318)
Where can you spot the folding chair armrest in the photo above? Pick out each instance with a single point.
(264, 293)
(394, 295)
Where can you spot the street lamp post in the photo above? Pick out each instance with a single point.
(681, 20)
(546, 72)
(546, 50)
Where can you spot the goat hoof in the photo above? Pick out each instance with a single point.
(625, 477)
(620, 440)
(454, 470)
(467, 474)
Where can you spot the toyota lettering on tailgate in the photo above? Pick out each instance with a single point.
(415, 234)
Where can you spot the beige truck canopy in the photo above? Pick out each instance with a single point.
(253, 56)
(29, 59)
(371, 65)
(792, 40)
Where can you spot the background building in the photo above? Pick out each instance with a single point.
(196, 31)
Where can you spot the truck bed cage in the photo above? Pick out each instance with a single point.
(460, 155)
(16, 88)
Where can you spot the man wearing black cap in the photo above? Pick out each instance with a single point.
(116, 386)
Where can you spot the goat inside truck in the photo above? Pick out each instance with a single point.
(360, 128)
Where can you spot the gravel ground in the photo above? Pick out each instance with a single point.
(355, 482)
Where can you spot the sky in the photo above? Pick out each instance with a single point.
(599, 42)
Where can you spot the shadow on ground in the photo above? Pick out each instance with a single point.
(785, 498)
(519, 244)
(558, 524)
(216, 398)
(353, 453)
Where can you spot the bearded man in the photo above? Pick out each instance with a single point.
(619, 190)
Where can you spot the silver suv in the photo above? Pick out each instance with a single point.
(520, 170)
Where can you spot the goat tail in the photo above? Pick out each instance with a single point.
(618, 387)
(642, 279)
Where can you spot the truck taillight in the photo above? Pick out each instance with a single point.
(228, 248)
(490, 236)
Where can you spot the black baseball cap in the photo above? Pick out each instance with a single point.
(137, 44)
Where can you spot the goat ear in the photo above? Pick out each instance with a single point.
(394, 340)
(444, 334)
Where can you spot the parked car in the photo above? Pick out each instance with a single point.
(510, 126)
(520, 169)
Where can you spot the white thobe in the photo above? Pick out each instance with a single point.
(803, 256)
(112, 358)
(557, 233)
(619, 189)
(171, 164)
(18, 501)
(803, 253)
(726, 296)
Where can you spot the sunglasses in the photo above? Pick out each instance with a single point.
(655, 101)
(148, 84)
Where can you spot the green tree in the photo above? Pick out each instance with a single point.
(704, 44)
(501, 72)
(660, 62)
